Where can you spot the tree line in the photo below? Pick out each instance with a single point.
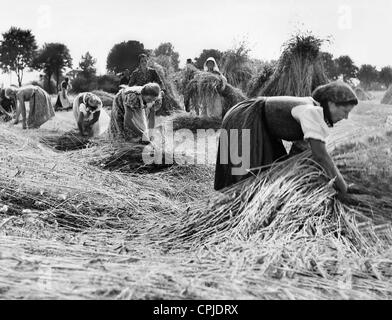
(19, 53)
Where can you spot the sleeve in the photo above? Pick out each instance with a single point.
(312, 122)
(131, 100)
(83, 109)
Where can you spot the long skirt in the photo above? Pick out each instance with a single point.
(99, 127)
(260, 150)
(41, 109)
(128, 123)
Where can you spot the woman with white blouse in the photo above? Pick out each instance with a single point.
(91, 119)
(269, 120)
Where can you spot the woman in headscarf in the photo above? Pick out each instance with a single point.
(41, 109)
(132, 107)
(91, 119)
(210, 65)
(273, 119)
(63, 102)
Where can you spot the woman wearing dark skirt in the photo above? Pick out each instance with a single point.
(270, 120)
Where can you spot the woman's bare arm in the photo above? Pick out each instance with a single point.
(321, 155)
(95, 118)
(80, 123)
(4, 111)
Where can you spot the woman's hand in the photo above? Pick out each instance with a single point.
(321, 155)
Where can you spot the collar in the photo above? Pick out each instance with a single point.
(326, 112)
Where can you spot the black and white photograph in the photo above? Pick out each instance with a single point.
(195, 151)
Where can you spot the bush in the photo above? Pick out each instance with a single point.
(106, 98)
(82, 84)
(45, 85)
(108, 82)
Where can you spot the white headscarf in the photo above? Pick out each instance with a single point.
(216, 68)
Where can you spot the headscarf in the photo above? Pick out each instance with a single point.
(216, 68)
(336, 92)
(92, 100)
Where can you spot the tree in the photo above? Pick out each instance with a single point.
(87, 65)
(53, 58)
(216, 54)
(346, 67)
(330, 66)
(124, 55)
(17, 50)
(167, 49)
(367, 74)
(385, 76)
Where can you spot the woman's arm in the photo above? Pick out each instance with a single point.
(321, 155)
(2, 110)
(95, 118)
(80, 123)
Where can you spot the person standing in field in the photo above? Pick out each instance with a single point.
(131, 108)
(91, 119)
(63, 102)
(211, 66)
(41, 109)
(273, 119)
(143, 75)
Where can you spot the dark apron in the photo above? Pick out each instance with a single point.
(264, 148)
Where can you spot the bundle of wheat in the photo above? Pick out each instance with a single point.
(387, 99)
(362, 94)
(260, 79)
(299, 70)
(68, 141)
(170, 101)
(295, 192)
(231, 96)
(205, 93)
(194, 122)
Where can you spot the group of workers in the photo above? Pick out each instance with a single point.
(268, 119)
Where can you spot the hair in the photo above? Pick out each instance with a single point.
(10, 91)
(151, 89)
(338, 92)
(143, 55)
(66, 79)
(188, 60)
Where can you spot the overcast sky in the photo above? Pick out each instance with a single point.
(359, 28)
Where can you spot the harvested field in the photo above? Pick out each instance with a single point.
(71, 230)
